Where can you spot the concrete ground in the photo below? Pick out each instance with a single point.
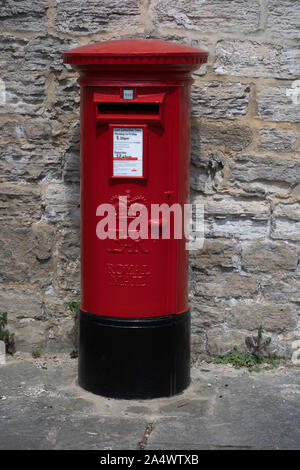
(41, 407)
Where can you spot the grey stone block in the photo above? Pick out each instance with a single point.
(20, 202)
(280, 104)
(277, 140)
(217, 100)
(210, 16)
(23, 15)
(256, 59)
(283, 19)
(94, 17)
(264, 175)
(25, 93)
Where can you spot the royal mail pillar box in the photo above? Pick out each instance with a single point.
(134, 325)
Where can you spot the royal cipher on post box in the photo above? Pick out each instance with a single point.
(134, 320)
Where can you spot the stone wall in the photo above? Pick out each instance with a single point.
(245, 161)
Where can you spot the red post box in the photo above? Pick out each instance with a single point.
(134, 325)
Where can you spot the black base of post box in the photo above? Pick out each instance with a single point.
(134, 358)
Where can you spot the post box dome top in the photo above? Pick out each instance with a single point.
(143, 52)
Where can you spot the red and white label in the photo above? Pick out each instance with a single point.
(127, 151)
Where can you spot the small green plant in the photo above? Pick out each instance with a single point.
(237, 359)
(5, 335)
(74, 308)
(254, 358)
(256, 344)
(36, 353)
(247, 360)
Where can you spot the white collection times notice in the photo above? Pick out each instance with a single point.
(127, 151)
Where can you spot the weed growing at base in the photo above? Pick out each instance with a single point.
(253, 359)
(251, 362)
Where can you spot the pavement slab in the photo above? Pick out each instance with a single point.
(42, 407)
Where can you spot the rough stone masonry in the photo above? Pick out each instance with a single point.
(245, 162)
